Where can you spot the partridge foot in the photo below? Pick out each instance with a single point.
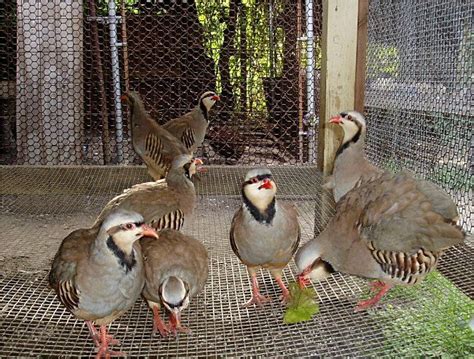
(369, 303)
(257, 299)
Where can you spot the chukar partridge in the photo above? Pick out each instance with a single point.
(163, 204)
(264, 232)
(191, 128)
(389, 227)
(98, 273)
(350, 164)
(176, 269)
(155, 145)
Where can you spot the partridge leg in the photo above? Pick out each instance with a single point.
(96, 335)
(285, 294)
(175, 324)
(105, 341)
(158, 324)
(365, 304)
(257, 298)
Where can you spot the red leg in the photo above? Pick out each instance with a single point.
(376, 285)
(94, 333)
(105, 341)
(285, 294)
(158, 324)
(175, 324)
(365, 304)
(257, 298)
(303, 281)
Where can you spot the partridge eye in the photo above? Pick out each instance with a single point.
(349, 117)
(129, 226)
(254, 180)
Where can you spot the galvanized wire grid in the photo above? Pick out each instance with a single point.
(419, 93)
(33, 322)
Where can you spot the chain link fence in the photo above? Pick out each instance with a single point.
(419, 93)
(68, 62)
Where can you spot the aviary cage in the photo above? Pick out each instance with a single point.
(65, 151)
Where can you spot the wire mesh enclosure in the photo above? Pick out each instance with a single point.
(65, 151)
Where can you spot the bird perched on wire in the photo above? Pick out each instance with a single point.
(163, 204)
(155, 145)
(191, 128)
(264, 232)
(176, 269)
(350, 164)
(388, 227)
(98, 273)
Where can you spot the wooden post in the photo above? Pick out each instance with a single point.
(338, 72)
(361, 56)
(49, 82)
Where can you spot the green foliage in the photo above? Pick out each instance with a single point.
(387, 60)
(301, 306)
(435, 323)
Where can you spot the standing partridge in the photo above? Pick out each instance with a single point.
(176, 269)
(264, 232)
(98, 273)
(163, 204)
(155, 145)
(388, 227)
(191, 128)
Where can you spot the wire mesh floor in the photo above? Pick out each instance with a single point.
(41, 205)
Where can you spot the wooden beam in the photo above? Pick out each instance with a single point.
(361, 55)
(338, 72)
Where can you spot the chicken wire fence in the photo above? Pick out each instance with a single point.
(65, 67)
(74, 59)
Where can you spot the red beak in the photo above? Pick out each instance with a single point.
(198, 161)
(124, 98)
(336, 119)
(147, 231)
(266, 184)
(215, 98)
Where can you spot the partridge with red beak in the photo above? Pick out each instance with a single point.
(98, 273)
(191, 128)
(264, 232)
(350, 165)
(389, 227)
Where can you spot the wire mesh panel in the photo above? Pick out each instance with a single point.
(61, 89)
(40, 206)
(419, 93)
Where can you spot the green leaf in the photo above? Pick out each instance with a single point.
(301, 306)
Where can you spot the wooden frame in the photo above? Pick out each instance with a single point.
(344, 39)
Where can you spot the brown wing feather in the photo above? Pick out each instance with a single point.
(398, 217)
(63, 270)
(237, 217)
